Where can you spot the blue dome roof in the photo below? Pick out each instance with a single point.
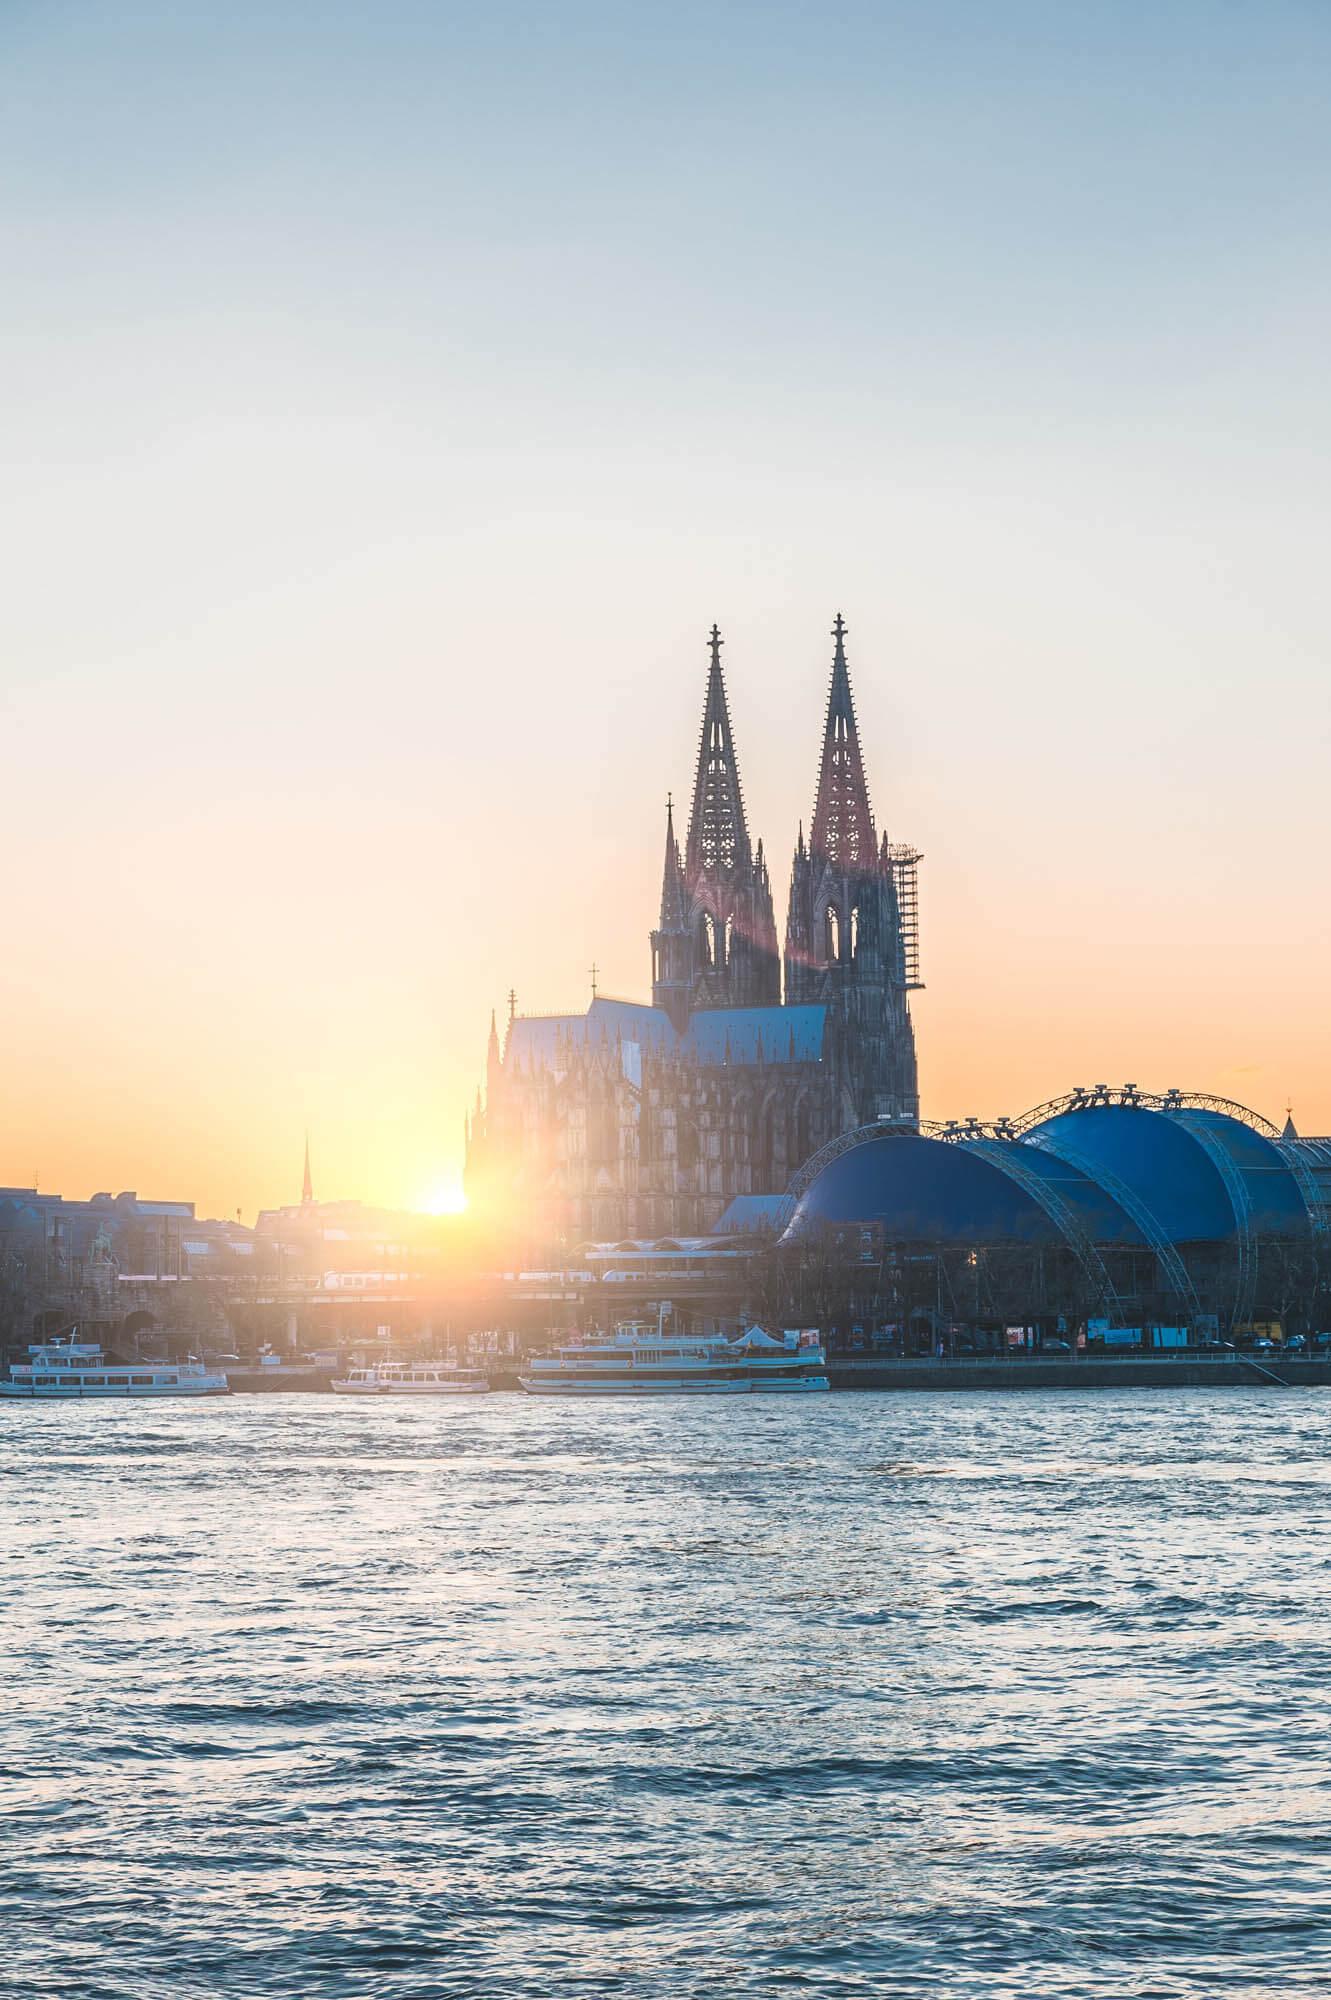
(1096, 1211)
(922, 1191)
(1275, 1204)
(1196, 1182)
(1158, 1160)
(1201, 1173)
(1123, 1173)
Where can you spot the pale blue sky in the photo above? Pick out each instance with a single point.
(392, 397)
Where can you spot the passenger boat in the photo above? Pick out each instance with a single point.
(65, 1369)
(411, 1378)
(643, 1360)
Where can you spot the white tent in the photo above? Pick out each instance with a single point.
(757, 1337)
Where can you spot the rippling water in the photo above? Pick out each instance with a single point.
(888, 1695)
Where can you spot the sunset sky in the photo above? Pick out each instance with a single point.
(394, 395)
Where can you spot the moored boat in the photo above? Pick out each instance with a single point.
(65, 1370)
(411, 1378)
(643, 1360)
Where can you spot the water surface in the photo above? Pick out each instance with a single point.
(864, 1694)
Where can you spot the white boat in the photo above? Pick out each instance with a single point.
(67, 1369)
(639, 1359)
(411, 1378)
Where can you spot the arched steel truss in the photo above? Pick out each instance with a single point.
(977, 1140)
(1173, 1266)
(1236, 1187)
(987, 1140)
(1314, 1199)
(1127, 1094)
(1177, 1104)
(845, 1142)
(1063, 1217)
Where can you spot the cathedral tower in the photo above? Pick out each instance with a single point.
(726, 885)
(844, 945)
(619, 1120)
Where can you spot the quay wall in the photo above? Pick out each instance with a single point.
(1080, 1371)
(989, 1372)
(288, 1377)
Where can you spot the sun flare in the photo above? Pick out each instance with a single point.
(448, 1198)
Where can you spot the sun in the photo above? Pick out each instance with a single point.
(448, 1198)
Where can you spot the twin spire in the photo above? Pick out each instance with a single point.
(843, 830)
(718, 838)
(716, 944)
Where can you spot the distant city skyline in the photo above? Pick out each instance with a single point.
(376, 466)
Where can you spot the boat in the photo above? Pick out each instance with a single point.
(640, 1359)
(64, 1369)
(411, 1378)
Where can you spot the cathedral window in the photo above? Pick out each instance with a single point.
(833, 935)
(854, 935)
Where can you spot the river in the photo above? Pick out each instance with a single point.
(955, 1695)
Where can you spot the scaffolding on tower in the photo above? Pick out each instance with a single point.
(905, 861)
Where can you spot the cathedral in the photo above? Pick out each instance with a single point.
(636, 1121)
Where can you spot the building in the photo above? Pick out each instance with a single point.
(644, 1121)
(332, 1243)
(1114, 1211)
(98, 1261)
(120, 1236)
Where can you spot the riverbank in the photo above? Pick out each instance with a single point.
(1080, 1371)
(996, 1372)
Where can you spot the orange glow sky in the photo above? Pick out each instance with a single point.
(388, 417)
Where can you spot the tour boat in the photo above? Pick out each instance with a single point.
(75, 1368)
(642, 1360)
(411, 1378)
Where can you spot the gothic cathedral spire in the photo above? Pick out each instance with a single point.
(843, 829)
(718, 836)
(734, 957)
(844, 943)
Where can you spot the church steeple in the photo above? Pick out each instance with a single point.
(844, 939)
(718, 836)
(843, 830)
(734, 958)
(307, 1185)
